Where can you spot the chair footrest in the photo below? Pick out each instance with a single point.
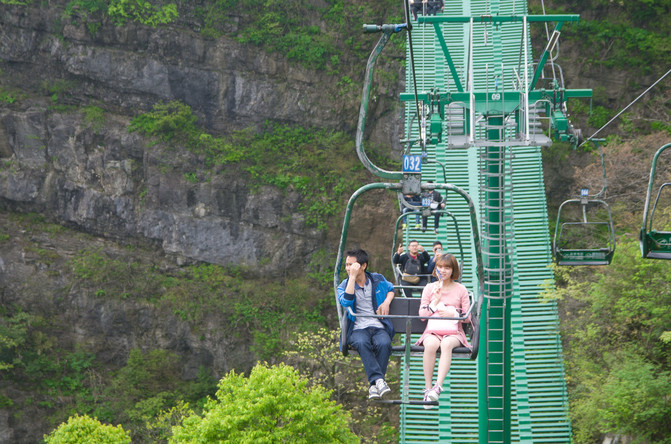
(420, 349)
(400, 401)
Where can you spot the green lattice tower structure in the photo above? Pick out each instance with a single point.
(490, 147)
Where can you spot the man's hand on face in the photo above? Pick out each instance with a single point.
(353, 270)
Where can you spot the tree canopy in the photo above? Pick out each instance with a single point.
(87, 430)
(272, 405)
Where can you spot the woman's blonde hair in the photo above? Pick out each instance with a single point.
(449, 260)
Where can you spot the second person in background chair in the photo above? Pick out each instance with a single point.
(413, 265)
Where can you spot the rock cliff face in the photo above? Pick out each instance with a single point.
(99, 179)
(107, 182)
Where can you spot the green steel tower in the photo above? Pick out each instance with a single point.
(497, 108)
(478, 110)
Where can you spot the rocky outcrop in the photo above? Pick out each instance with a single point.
(107, 182)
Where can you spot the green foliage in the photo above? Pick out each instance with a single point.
(285, 28)
(56, 374)
(89, 12)
(94, 116)
(195, 292)
(618, 366)
(36, 223)
(168, 122)
(92, 12)
(661, 126)
(636, 399)
(306, 160)
(159, 428)
(58, 89)
(87, 430)
(16, 2)
(117, 278)
(141, 11)
(13, 334)
(630, 400)
(320, 268)
(273, 405)
(271, 318)
(147, 387)
(600, 116)
(282, 27)
(316, 356)
(9, 96)
(152, 372)
(623, 42)
(191, 177)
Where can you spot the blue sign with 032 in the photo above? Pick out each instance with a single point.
(412, 163)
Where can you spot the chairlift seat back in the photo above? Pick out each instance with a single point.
(656, 244)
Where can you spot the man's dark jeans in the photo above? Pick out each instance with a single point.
(374, 348)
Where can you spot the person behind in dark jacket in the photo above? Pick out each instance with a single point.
(417, 7)
(414, 200)
(368, 294)
(436, 204)
(416, 258)
(433, 7)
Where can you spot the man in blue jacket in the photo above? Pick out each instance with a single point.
(368, 294)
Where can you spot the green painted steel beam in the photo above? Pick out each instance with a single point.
(508, 96)
(448, 57)
(499, 18)
(571, 93)
(537, 404)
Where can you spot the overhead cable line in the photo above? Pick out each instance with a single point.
(626, 107)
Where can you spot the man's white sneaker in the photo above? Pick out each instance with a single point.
(373, 393)
(382, 387)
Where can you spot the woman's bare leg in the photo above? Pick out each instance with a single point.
(446, 346)
(431, 344)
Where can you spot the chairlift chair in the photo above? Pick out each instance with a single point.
(404, 312)
(655, 243)
(586, 247)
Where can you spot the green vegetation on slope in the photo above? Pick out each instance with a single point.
(196, 292)
(624, 34)
(147, 394)
(303, 31)
(617, 349)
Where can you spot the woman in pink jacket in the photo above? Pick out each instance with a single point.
(443, 298)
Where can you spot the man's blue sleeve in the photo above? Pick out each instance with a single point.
(390, 287)
(346, 300)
